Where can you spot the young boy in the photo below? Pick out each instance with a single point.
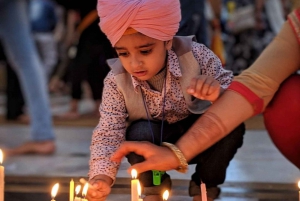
(145, 96)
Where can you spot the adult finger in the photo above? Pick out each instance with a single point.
(126, 147)
(142, 167)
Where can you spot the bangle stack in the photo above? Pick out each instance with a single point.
(183, 167)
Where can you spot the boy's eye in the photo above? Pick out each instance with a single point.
(124, 54)
(146, 51)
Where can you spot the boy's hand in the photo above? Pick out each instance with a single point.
(205, 88)
(99, 189)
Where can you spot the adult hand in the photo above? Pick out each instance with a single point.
(205, 88)
(156, 157)
(99, 189)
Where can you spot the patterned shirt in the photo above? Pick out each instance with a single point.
(111, 130)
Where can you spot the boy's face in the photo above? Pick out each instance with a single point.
(142, 56)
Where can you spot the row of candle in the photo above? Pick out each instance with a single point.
(135, 188)
(77, 190)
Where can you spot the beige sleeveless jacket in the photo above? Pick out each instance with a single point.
(182, 46)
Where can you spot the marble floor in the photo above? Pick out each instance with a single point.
(258, 171)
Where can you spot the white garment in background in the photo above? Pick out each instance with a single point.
(47, 48)
(275, 14)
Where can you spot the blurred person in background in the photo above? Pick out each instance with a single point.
(14, 97)
(247, 34)
(193, 21)
(43, 20)
(22, 54)
(88, 61)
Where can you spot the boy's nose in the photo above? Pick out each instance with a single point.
(135, 62)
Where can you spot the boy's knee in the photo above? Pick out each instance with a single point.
(239, 131)
(236, 136)
(139, 131)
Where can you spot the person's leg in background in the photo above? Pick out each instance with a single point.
(22, 54)
(77, 73)
(97, 71)
(14, 97)
(193, 20)
(48, 52)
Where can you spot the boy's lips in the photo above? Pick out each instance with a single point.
(139, 73)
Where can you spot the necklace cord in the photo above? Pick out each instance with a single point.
(163, 113)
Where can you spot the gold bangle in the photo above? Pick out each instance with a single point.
(183, 167)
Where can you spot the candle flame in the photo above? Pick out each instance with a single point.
(85, 189)
(299, 183)
(133, 174)
(166, 195)
(77, 189)
(54, 190)
(1, 156)
(139, 189)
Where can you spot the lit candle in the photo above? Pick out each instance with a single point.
(71, 193)
(84, 191)
(166, 195)
(299, 189)
(77, 190)
(1, 177)
(140, 191)
(54, 191)
(203, 191)
(134, 186)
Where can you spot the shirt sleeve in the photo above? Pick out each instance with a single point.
(278, 61)
(211, 65)
(294, 21)
(110, 132)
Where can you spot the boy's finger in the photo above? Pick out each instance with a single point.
(199, 87)
(207, 86)
(83, 181)
(191, 88)
(214, 87)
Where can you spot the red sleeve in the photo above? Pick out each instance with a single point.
(256, 102)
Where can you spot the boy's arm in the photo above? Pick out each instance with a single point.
(109, 133)
(211, 65)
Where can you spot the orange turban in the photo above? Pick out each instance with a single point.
(157, 19)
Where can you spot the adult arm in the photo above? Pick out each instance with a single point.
(278, 61)
(259, 83)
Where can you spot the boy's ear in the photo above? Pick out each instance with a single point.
(169, 44)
